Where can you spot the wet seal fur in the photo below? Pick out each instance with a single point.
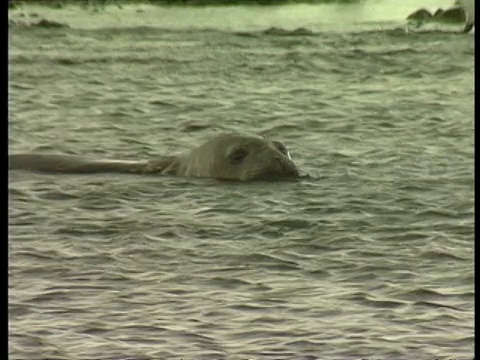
(226, 157)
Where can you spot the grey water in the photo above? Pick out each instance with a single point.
(370, 257)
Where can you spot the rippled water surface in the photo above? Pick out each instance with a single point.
(370, 257)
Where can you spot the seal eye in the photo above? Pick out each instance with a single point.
(283, 149)
(237, 155)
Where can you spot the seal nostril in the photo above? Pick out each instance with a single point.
(287, 168)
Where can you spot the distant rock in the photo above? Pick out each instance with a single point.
(49, 24)
(453, 15)
(41, 23)
(295, 32)
(420, 15)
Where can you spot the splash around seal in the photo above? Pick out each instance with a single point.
(226, 156)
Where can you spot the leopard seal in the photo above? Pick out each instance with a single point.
(229, 156)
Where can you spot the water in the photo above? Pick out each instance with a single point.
(371, 257)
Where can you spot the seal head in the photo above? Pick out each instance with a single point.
(237, 157)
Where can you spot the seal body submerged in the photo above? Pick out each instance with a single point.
(226, 156)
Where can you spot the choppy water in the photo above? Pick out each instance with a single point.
(371, 258)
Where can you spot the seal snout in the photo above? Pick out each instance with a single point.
(286, 167)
